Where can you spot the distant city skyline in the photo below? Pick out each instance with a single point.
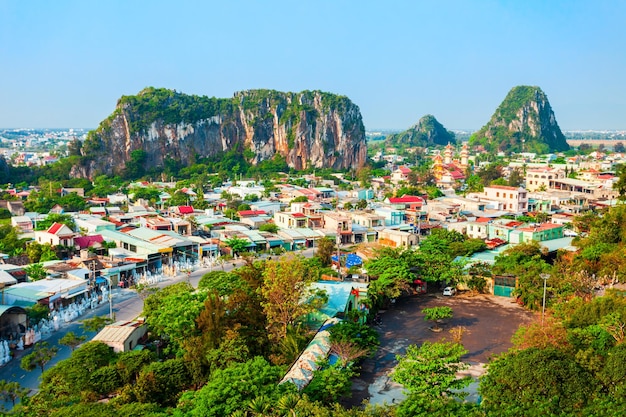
(65, 63)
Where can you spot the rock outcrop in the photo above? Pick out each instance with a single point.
(427, 132)
(524, 122)
(307, 129)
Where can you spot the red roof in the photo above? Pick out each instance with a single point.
(406, 199)
(297, 215)
(513, 224)
(87, 241)
(483, 220)
(249, 213)
(457, 175)
(185, 209)
(605, 176)
(494, 243)
(55, 228)
(541, 227)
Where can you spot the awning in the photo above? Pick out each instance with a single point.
(101, 280)
(74, 294)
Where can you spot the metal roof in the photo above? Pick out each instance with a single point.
(117, 332)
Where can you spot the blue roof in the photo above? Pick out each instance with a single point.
(350, 260)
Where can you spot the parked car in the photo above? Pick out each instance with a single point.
(449, 291)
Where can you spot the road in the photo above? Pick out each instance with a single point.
(126, 306)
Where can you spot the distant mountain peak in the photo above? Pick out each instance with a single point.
(524, 122)
(427, 132)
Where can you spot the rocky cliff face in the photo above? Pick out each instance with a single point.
(427, 132)
(308, 129)
(524, 122)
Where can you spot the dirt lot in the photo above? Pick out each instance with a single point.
(490, 322)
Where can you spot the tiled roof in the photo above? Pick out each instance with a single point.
(55, 228)
(185, 209)
(248, 213)
(87, 241)
(406, 199)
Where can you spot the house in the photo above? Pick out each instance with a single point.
(541, 232)
(16, 208)
(478, 229)
(313, 212)
(540, 178)
(512, 199)
(401, 174)
(57, 234)
(122, 336)
(286, 220)
(23, 223)
(397, 239)
(406, 202)
(78, 191)
(86, 242)
(270, 207)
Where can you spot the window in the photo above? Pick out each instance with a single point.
(511, 196)
(498, 194)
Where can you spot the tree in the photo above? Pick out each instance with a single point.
(269, 227)
(229, 389)
(538, 379)
(37, 312)
(325, 250)
(39, 357)
(330, 383)
(95, 324)
(72, 340)
(287, 295)
(236, 244)
(430, 370)
(52, 218)
(619, 147)
(162, 382)
(435, 314)
(35, 272)
(225, 283)
(11, 391)
(171, 313)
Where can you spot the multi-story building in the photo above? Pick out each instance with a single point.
(513, 199)
(540, 178)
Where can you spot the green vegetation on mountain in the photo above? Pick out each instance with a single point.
(258, 124)
(427, 132)
(524, 122)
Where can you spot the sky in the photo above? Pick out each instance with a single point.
(65, 63)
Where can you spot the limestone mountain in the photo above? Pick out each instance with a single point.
(307, 129)
(524, 122)
(427, 132)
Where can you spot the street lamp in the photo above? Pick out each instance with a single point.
(110, 298)
(543, 306)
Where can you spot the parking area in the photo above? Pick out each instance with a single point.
(489, 322)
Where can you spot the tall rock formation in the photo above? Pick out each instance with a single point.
(524, 122)
(307, 129)
(427, 132)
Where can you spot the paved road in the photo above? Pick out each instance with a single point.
(126, 306)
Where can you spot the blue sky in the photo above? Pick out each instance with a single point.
(65, 63)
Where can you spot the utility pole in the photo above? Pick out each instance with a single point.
(543, 305)
(338, 250)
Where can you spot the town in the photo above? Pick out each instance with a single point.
(89, 244)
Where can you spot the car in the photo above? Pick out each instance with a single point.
(449, 291)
